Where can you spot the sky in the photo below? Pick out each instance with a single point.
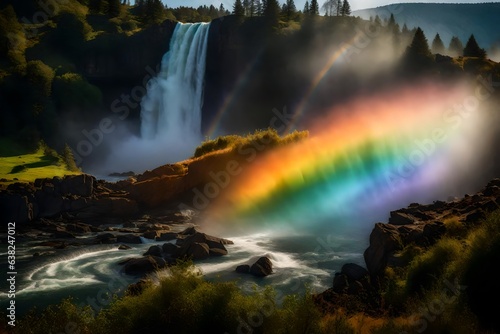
(355, 4)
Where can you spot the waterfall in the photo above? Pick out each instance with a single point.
(171, 109)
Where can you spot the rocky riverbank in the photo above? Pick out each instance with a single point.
(419, 226)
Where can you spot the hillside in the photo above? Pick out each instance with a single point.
(446, 19)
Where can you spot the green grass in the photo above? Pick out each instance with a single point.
(269, 138)
(26, 167)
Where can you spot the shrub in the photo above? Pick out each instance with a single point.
(269, 138)
(424, 269)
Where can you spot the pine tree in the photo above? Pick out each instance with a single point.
(252, 8)
(306, 8)
(456, 47)
(272, 12)
(258, 8)
(114, 8)
(246, 7)
(338, 6)
(238, 8)
(346, 8)
(472, 49)
(437, 45)
(290, 10)
(419, 46)
(314, 9)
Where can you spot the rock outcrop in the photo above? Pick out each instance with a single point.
(425, 224)
(81, 197)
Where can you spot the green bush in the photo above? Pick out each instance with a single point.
(183, 302)
(424, 270)
(268, 138)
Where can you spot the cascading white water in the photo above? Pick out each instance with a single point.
(171, 108)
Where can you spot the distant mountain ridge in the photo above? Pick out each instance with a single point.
(462, 20)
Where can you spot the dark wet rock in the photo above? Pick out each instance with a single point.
(217, 252)
(167, 236)
(198, 251)
(400, 218)
(170, 249)
(106, 238)
(262, 267)
(129, 239)
(143, 265)
(384, 239)
(153, 250)
(124, 247)
(354, 272)
(135, 289)
(63, 235)
(243, 269)
(130, 225)
(79, 228)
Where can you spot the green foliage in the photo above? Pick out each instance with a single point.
(479, 275)
(238, 9)
(268, 137)
(437, 45)
(56, 319)
(72, 91)
(472, 49)
(183, 302)
(419, 47)
(69, 159)
(424, 270)
(456, 47)
(12, 39)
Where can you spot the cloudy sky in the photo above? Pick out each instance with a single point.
(355, 4)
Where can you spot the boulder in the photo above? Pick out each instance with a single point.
(340, 283)
(153, 250)
(262, 267)
(198, 251)
(80, 185)
(201, 238)
(79, 228)
(384, 239)
(354, 272)
(124, 247)
(217, 252)
(129, 239)
(170, 249)
(105, 238)
(167, 236)
(243, 269)
(400, 218)
(63, 235)
(155, 234)
(135, 289)
(433, 231)
(143, 265)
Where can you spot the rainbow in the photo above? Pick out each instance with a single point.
(372, 154)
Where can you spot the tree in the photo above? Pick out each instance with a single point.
(437, 45)
(419, 45)
(346, 8)
(472, 49)
(330, 7)
(258, 8)
(306, 8)
(113, 8)
(314, 9)
(456, 47)
(252, 8)
(272, 12)
(238, 8)
(338, 7)
(289, 10)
